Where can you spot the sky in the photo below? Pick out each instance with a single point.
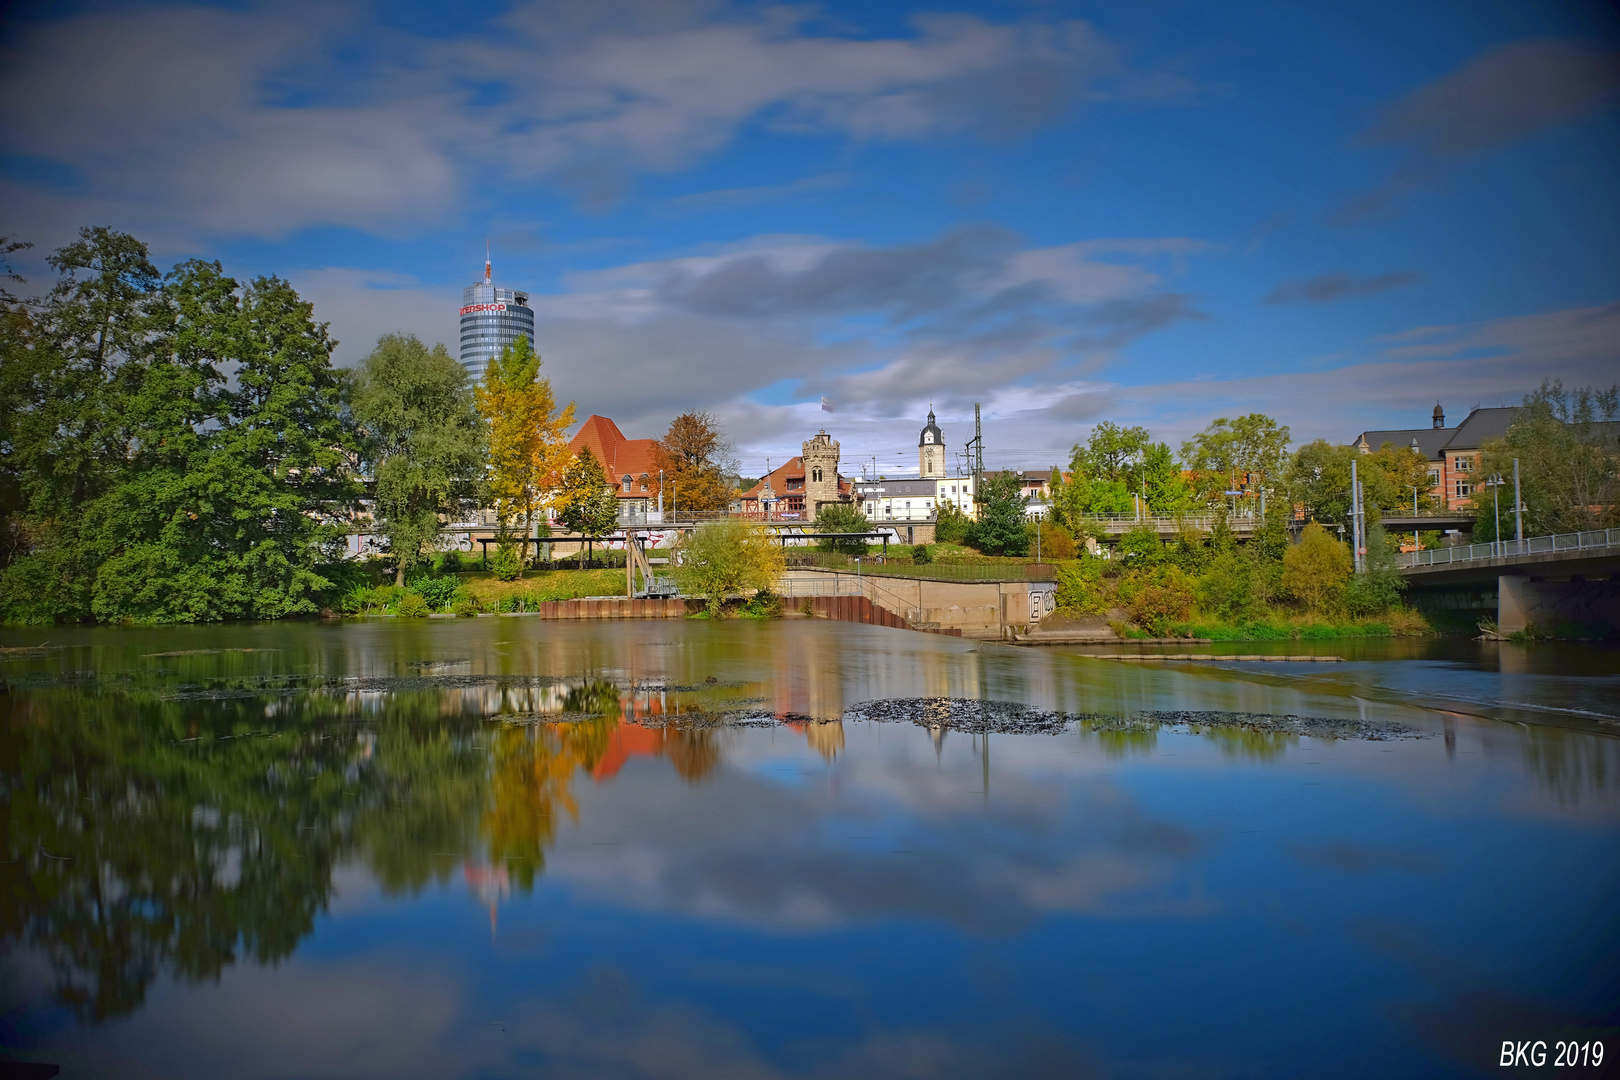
(1153, 212)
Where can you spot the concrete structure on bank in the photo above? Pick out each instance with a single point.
(1567, 584)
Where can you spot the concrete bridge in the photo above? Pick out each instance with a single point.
(1567, 581)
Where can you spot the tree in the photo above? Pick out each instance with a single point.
(1316, 568)
(732, 555)
(951, 525)
(842, 517)
(526, 432)
(1115, 467)
(1568, 447)
(695, 458)
(589, 506)
(1377, 588)
(1002, 527)
(424, 442)
(1219, 455)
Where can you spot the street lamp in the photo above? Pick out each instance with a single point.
(1494, 483)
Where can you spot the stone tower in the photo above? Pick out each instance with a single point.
(820, 473)
(931, 449)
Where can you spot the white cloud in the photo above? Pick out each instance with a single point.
(247, 122)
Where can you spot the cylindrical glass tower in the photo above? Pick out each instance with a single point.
(491, 319)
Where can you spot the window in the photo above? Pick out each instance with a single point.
(1434, 478)
(1463, 464)
(1464, 489)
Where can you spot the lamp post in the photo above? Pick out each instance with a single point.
(1416, 545)
(1495, 483)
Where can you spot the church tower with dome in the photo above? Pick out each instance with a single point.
(931, 449)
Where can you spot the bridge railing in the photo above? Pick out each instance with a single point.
(1590, 540)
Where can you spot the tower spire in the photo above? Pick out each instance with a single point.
(486, 260)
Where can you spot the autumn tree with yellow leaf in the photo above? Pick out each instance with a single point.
(528, 441)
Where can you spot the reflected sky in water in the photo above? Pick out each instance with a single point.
(504, 847)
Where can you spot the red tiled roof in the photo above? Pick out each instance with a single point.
(794, 468)
(617, 454)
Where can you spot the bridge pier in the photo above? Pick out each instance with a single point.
(1576, 603)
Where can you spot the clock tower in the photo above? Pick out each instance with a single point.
(931, 449)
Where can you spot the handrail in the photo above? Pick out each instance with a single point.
(1589, 540)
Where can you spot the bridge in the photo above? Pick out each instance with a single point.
(1566, 580)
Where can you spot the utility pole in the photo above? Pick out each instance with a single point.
(1355, 516)
(1518, 510)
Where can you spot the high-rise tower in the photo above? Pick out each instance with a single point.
(491, 319)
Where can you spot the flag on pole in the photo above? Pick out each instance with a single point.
(827, 406)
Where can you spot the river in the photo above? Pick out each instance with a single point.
(510, 847)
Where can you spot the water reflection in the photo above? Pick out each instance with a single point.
(197, 817)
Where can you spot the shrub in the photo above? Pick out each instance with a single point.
(764, 605)
(448, 562)
(1055, 542)
(1226, 589)
(1156, 606)
(951, 526)
(506, 564)
(1081, 588)
(920, 555)
(412, 606)
(1189, 551)
(1315, 569)
(464, 605)
(731, 555)
(1140, 548)
(437, 591)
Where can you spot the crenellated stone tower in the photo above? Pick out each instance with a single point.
(931, 449)
(820, 473)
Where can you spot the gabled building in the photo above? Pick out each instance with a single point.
(629, 464)
(1453, 454)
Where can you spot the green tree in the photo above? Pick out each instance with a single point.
(1377, 588)
(1568, 447)
(424, 442)
(842, 517)
(732, 555)
(1002, 527)
(951, 525)
(1226, 451)
(1315, 569)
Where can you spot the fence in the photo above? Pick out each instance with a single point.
(1591, 540)
(928, 571)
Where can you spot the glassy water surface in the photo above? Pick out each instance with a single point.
(507, 847)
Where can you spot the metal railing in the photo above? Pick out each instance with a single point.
(1590, 540)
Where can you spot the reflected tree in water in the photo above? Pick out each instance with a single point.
(152, 832)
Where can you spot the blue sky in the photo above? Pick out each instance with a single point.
(1154, 212)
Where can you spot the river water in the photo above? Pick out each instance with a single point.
(507, 847)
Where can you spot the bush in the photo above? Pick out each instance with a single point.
(1226, 589)
(507, 564)
(731, 555)
(764, 605)
(1156, 606)
(1315, 569)
(1055, 542)
(437, 591)
(1140, 548)
(1081, 588)
(464, 605)
(412, 606)
(920, 555)
(447, 562)
(951, 526)
(1189, 551)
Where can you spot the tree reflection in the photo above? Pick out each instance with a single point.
(150, 834)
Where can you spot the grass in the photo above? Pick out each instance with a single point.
(1401, 622)
(537, 587)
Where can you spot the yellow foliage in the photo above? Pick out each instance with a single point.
(528, 434)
